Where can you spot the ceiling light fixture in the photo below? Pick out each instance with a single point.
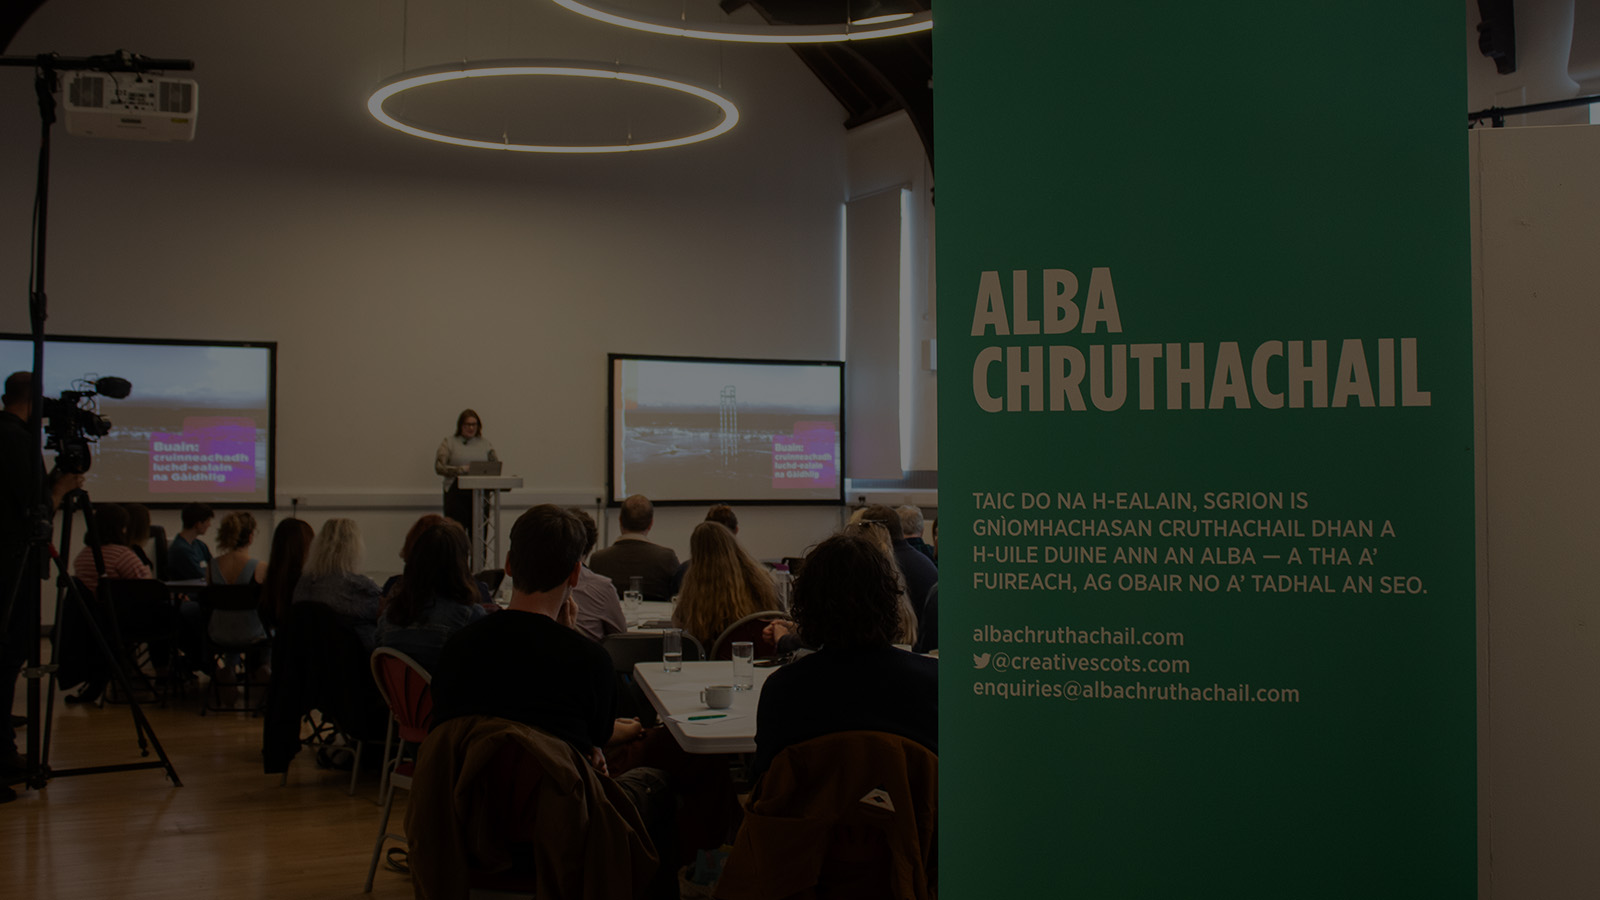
(507, 68)
(862, 30)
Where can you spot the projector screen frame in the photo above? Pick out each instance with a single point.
(272, 408)
(612, 446)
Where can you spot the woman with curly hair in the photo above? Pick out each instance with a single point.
(723, 585)
(847, 605)
(233, 563)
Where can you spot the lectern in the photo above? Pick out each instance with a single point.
(486, 490)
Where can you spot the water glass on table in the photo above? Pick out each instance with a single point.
(672, 650)
(744, 665)
(633, 599)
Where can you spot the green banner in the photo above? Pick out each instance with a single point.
(1206, 487)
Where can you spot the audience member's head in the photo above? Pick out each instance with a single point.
(722, 513)
(847, 595)
(637, 514)
(138, 523)
(878, 535)
(591, 531)
(724, 583)
(417, 528)
(546, 546)
(110, 525)
(238, 529)
(291, 544)
(336, 550)
(436, 571)
(885, 516)
(469, 417)
(18, 395)
(195, 516)
(910, 522)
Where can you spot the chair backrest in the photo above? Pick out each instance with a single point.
(230, 597)
(136, 592)
(491, 578)
(407, 688)
(158, 538)
(750, 629)
(333, 669)
(233, 617)
(629, 647)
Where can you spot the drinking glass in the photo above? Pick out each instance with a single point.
(672, 650)
(744, 665)
(633, 598)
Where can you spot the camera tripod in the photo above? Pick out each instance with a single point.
(38, 771)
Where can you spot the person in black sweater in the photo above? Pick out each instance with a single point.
(528, 663)
(919, 571)
(846, 602)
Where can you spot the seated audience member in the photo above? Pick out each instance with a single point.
(633, 554)
(911, 524)
(599, 609)
(436, 596)
(722, 513)
(331, 578)
(919, 571)
(291, 542)
(135, 617)
(724, 585)
(233, 564)
(485, 596)
(111, 535)
(417, 527)
(846, 601)
(527, 663)
(139, 531)
(935, 541)
(187, 555)
(782, 633)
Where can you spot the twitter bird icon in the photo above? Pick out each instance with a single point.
(980, 660)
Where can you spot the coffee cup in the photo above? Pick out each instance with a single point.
(717, 696)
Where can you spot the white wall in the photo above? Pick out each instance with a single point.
(884, 155)
(404, 280)
(1536, 204)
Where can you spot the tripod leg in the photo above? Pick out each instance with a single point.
(141, 723)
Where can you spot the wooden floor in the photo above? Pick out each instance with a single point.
(229, 831)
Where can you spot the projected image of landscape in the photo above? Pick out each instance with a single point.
(707, 430)
(194, 427)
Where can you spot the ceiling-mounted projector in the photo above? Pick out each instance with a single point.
(134, 107)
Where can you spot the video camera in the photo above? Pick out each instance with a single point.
(73, 421)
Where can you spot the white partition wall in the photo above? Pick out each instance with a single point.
(1536, 208)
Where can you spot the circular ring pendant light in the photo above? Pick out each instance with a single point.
(861, 30)
(540, 68)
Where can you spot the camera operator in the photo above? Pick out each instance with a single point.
(21, 474)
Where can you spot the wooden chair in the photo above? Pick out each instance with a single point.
(407, 690)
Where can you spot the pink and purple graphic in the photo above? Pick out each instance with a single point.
(806, 459)
(213, 454)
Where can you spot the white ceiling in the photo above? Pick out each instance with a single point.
(273, 73)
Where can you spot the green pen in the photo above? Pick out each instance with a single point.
(717, 716)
